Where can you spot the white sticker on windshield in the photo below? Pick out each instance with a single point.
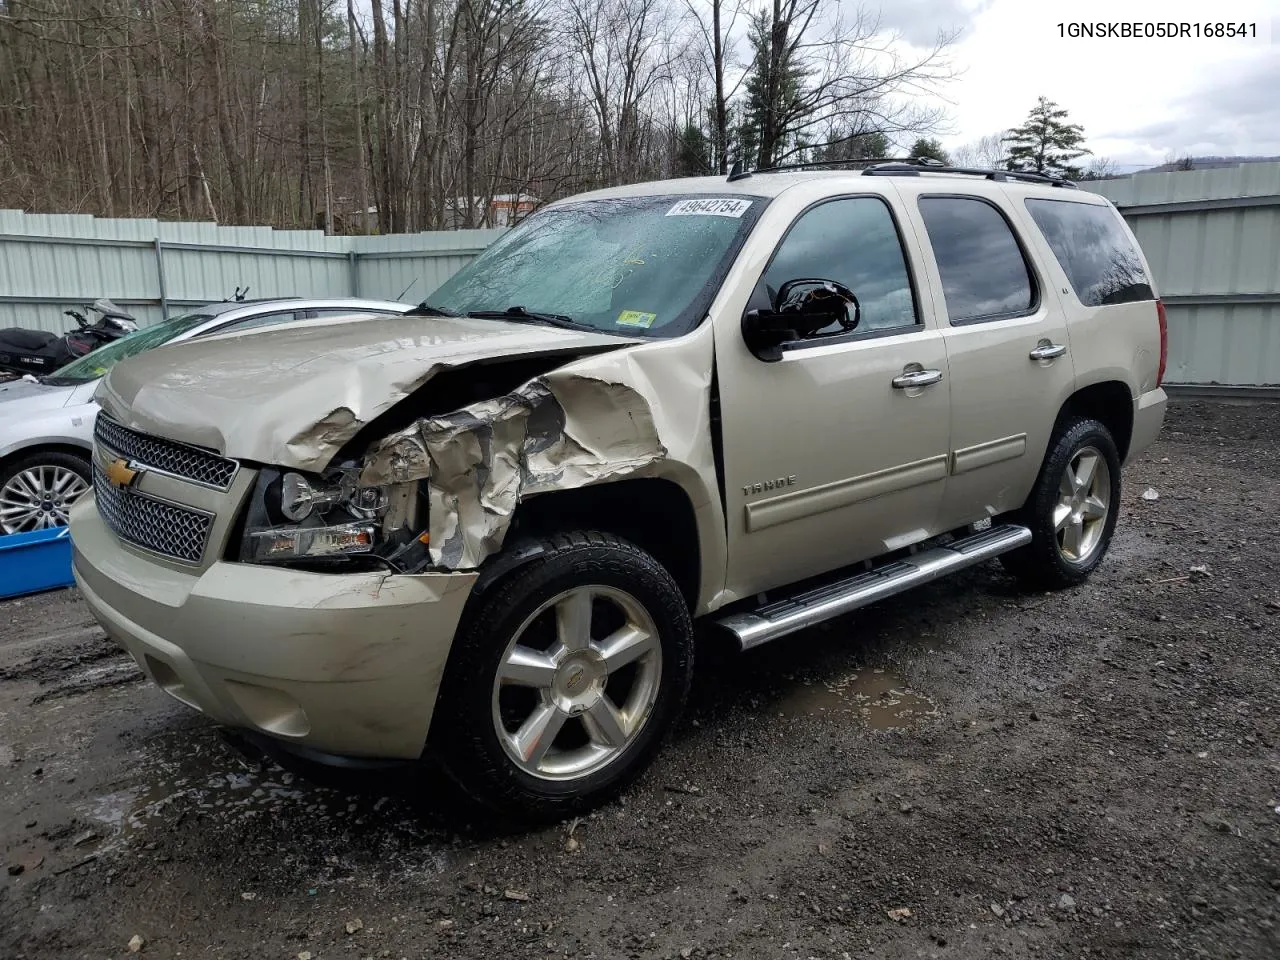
(727, 207)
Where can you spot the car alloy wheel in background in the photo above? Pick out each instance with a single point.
(39, 496)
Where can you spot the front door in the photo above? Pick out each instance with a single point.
(836, 452)
(1007, 350)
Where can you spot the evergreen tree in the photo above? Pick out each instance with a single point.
(693, 154)
(929, 148)
(1046, 143)
(859, 146)
(772, 87)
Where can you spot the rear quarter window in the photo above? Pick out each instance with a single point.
(1093, 248)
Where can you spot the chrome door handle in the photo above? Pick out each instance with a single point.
(1048, 351)
(916, 378)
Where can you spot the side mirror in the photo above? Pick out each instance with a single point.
(800, 310)
(765, 331)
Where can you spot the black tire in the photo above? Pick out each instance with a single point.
(58, 459)
(1044, 564)
(464, 732)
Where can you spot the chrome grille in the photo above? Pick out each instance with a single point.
(151, 523)
(165, 456)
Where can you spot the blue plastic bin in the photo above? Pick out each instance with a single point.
(31, 562)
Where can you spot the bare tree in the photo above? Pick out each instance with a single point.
(715, 29)
(356, 93)
(627, 50)
(984, 153)
(815, 67)
(1178, 162)
(1101, 168)
(302, 112)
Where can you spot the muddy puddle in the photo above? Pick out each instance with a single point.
(238, 792)
(881, 700)
(220, 793)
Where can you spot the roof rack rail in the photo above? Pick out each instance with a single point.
(913, 168)
(738, 173)
(908, 167)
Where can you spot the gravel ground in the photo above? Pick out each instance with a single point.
(961, 772)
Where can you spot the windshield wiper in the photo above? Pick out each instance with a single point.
(425, 309)
(521, 315)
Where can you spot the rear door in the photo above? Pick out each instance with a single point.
(1106, 289)
(1007, 349)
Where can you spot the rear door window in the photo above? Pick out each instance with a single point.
(984, 274)
(1095, 251)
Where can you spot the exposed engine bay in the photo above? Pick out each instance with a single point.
(441, 490)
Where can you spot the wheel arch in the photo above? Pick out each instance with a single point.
(654, 513)
(1110, 402)
(13, 454)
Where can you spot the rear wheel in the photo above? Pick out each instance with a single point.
(565, 674)
(1072, 510)
(37, 490)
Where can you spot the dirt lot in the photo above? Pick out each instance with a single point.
(962, 772)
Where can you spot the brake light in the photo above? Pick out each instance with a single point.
(1164, 341)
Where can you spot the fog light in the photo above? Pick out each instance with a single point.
(291, 543)
(270, 709)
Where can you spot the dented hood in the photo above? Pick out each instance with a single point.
(294, 396)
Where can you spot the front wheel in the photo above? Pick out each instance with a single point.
(565, 674)
(1072, 510)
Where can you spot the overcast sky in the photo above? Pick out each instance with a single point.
(1138, 100)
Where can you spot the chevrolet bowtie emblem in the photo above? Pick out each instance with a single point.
(120, 473)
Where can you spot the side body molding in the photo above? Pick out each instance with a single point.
(787, 507)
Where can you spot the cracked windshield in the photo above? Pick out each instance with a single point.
(632, 266)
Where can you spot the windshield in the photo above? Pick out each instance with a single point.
(634, 265)
(96, 363)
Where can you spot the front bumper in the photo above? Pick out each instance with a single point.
(346, 664)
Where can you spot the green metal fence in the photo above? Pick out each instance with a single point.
(50, 263)
(1213, 240)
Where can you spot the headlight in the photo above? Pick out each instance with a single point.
(298, 497)
(295, 516)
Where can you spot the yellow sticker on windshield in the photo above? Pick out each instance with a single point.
(636, 318)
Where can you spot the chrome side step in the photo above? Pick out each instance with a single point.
(777, 619)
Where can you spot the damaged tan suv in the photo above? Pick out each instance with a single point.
(484, 531)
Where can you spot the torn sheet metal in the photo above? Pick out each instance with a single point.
(293, 396)
(556, 432)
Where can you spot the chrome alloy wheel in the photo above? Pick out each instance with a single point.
(577, 682)
(39, 498)
(1084, 501)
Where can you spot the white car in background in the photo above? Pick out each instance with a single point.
(46, 424)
